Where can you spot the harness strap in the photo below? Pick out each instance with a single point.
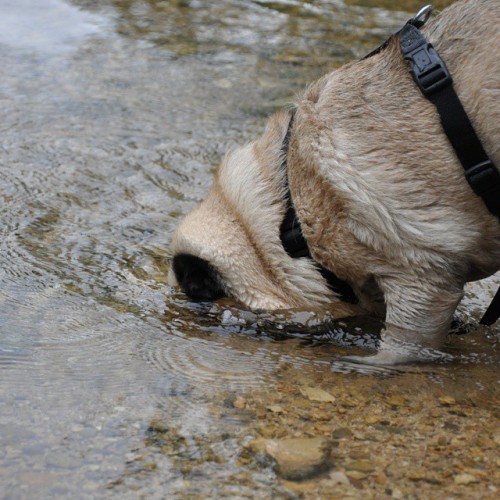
(293, 240)
(493, 311)
(435, 82)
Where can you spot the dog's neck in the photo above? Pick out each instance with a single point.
(291, 235)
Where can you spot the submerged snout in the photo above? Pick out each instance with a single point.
(198, 279)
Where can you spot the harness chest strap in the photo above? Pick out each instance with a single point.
(293, 240)
(435, 82)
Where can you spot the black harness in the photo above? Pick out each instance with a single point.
(436, 84)
(294, 242)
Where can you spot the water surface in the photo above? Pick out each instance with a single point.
(114, 115)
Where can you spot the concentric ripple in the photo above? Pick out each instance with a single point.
(208, 362)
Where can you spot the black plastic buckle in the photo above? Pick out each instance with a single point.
(428, 69)
(483, 177)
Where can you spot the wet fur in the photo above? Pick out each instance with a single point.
(381, 197)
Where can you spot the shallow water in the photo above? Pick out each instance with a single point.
(114, 115)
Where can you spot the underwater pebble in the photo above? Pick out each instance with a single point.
(342, 433)
(338, 477)
(239, 402)
(496, 437)
(296, 458)
(447, 401)
(397, 401)
(361, 466)
(316, 394)
(275, 409)
(355, 474)
(465, 479)
(397, 494)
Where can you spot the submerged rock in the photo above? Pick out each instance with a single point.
(317, 394)
(297, 458)
(465, 479)
(338, 477)
(447, 401)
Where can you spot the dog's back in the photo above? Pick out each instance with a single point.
(368, 132)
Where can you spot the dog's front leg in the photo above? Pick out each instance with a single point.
(418, 318)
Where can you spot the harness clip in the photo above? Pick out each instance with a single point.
(421, 17)
(483, 178)
(428, 69)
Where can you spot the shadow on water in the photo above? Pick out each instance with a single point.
(114, 116)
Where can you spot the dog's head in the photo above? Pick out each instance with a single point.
(230, 244)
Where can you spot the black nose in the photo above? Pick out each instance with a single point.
(198, 279)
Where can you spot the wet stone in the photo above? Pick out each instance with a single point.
(275, 409)
(239, 403)
(297, 458)
(361, 466)
(317, 394)
(355, 474)
(397, 401)
(338, 477)
(342, 433)
(447, 401)
(465, 479)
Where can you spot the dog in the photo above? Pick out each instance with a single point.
(382, 200)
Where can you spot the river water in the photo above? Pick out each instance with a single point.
(114, 114)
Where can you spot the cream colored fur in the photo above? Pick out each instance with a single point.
(236, 229)
(381, 197)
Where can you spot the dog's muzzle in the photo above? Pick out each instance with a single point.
(198, 279)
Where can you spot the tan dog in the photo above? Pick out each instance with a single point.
(380, 194)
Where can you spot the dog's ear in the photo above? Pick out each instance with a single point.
(198, 279)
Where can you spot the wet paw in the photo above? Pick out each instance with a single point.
(382, 358)
(401, 353)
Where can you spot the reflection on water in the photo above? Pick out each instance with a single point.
(50, 26)
(114, 114)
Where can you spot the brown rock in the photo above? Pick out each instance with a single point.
(297, 458)
(321, 415)
(275, 409)
(317, 394)
(397, 401)
(447, 401)
(442, 440)
(338, 477)
(496, 437)
(342, 433)
(465, 479)
(239, 403)
(356, 474)
(361, 466)
(359, 454)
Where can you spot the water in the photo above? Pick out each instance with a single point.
(114, 115)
